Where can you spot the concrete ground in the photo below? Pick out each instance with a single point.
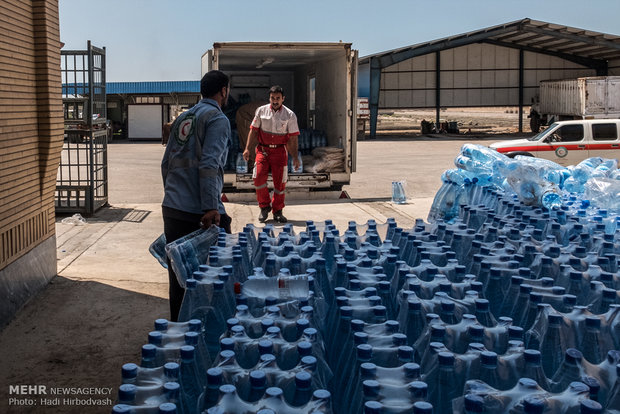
(96, 314)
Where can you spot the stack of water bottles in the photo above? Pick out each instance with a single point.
(310, 139)
(507, 306)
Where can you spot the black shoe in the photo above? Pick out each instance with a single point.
(277, 216)
(264, 213)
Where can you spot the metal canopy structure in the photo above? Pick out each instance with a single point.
(583, 48)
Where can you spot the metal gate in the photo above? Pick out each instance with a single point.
(82, 179)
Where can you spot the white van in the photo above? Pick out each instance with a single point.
(568, 142)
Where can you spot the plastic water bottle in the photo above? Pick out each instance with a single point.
(241, 164)
(398, 192)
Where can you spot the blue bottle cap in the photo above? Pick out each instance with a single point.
(371, 388)
(373, 407)
(194, 325)
(273, 330)
(172, 370)
(578, 387)
(258, 378)
(446, 358)
(227, 344)
(360, 338)
(414, 304)
(392, 326)
(438, 331)
(265, 346)
(475, 331)
(609, 294)
(535, 298)
(311, 334)
(482, 305)
(528, 383)
(593, 322)
(304, 348)
(187, 352)
(172, 388)
(161, 324)
(488, 358)
(569, 300)
(368, 370)
(191, 338)
(227, 354)
(127, 392)
(346, 312)
(573, 356)
(405, 353)
(590, 407)
(129, 371)
(228, 389)
(473, 403)
(303, 380)
(532, 356)
(592, 383)
(422, 407)
(476, 286)
(274, 392)
(357, 325)
(149, 351)
(374, 301)
(411, 370)
(273, 309)
(418, 389)
(495, 272)
(322, 395)
(364, 351)
(215, 376)
(399, 339)
(309, 363)
(167, 408)
(525, 289)
(534, 404)
(447, 306)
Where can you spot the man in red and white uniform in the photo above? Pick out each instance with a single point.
(274, 134)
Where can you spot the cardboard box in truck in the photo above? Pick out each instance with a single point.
(320, 84)
(582, 98)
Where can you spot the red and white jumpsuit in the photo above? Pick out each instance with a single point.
(274, 130)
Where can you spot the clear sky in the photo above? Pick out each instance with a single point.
(149, 40)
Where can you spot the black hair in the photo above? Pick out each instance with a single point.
(276, 89)
(213, 82)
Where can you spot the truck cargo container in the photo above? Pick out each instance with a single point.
(320, 84)
(580, 98)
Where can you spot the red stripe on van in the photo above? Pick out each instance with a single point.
(541, 148)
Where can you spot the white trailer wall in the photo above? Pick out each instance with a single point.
(474, 75)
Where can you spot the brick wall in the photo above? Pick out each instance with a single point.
(31, 124)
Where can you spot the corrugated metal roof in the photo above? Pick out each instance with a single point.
(586, 46)
(153, 87)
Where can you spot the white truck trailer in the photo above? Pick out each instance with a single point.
(320, 83)
(581, 98)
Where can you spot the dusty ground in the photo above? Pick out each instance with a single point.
(471, 121)
(97, 312)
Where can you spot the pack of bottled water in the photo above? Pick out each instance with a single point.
(506, 301)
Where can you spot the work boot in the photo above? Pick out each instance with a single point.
(264, 213)
(278, 217)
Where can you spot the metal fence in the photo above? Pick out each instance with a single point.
(82, 179)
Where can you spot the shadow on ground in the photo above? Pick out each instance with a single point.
(75, 334)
